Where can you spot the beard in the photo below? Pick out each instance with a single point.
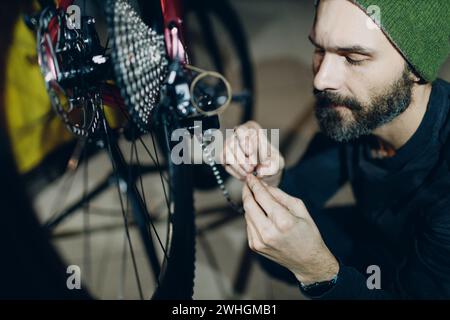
(364, 118)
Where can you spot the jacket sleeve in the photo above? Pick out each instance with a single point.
(424, 273)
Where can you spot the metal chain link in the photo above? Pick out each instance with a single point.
(207, 153)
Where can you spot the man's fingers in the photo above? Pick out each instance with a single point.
(253, 211)
(231, 160)
(248, 141)
(279, 195)
(252, 232)
(254, 150)
(265, 199)
(251, 125)
(241, 158)
(294, 205)
(233, 172)
(259, 227)
(249, 149)
(235, 158)
(270, 160)
(250, 237)
(266, 150)
(269, 167)
(245, 193)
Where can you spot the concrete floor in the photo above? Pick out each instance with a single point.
(277, 33)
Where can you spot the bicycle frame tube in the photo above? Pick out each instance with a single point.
(54, 23)
(64, 4)
(173, 29)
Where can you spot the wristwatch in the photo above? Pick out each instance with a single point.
(318, 289)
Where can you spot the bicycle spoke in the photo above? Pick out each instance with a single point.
(153, 158)
(122, 279)
(67, 181)
(86, 219)
(168, 201)
(125, 218)
(155, 162)
(105, 212)
(160, 173)
(103, 266)
(145, 202)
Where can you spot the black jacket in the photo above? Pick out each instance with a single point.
(403, 203)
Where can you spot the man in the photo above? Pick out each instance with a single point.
(384, 121)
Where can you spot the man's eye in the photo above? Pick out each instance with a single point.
(354, 62)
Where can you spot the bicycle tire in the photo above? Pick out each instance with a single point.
(176, 280)
(176, 277)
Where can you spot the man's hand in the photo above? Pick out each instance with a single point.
(248, 150)
(280, 228)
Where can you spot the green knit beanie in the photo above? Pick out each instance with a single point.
(420, 29)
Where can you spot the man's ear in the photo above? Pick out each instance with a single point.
(417, 79)
(414, 76)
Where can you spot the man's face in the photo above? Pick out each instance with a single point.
(361, 81)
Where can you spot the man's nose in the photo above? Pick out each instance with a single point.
(328, 74)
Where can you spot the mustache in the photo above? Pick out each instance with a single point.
(327, 98)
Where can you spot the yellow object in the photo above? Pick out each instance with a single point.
(33, 127)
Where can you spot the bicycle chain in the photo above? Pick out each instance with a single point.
(214, 167)
(141, 66)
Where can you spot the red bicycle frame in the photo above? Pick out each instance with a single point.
(173, 29)
(172, 13)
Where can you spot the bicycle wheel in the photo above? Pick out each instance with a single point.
(218, 42)
(160, 248)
